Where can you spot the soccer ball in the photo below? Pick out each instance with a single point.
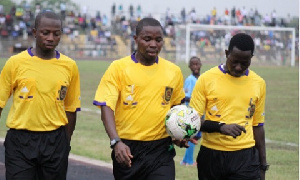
(182, 122)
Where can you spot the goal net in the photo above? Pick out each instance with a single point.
(273, 45)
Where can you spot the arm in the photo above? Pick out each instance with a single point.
(70, 127)
(233, 130)
(259, 137)
(0, 112)
(122, 151)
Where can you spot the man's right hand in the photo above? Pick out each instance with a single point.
(233, 130)
(123, 154)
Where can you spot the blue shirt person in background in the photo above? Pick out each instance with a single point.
(189, 84)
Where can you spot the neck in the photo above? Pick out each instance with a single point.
(143, 60)
(196, 75)
(46, 55)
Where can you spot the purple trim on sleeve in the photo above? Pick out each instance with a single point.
(260, 124)
(136, 61)
(96, 103)
(78, 109)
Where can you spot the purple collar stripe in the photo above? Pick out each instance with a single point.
(136, 61)
(96, 103)
(31, 54)
(29, 51)
(221, 67)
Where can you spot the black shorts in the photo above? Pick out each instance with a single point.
(228, 165)
(152, 160)
(36, 155)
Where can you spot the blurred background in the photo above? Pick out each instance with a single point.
(103, 30)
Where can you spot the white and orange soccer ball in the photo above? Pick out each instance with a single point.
(182, 122)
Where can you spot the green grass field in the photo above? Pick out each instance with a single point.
(282, 120)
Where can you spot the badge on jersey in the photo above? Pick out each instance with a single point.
(251, 109)
(168, 94)
(62, 92)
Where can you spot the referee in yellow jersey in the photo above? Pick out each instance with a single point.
(46, 96)
(233, 99)
(134, 95)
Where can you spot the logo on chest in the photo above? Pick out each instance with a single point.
(168, 94)
(62, 92)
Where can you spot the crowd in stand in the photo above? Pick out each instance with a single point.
(99, 28)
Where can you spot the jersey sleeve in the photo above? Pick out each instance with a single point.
(198, 99)
(6, 82)
(259, 114)
(178, 90)
(108, 89)
(73, 99)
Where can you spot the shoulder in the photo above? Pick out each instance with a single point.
(121, 63)
(256, 77)
(66, 59)
(168, 64)
(18, 58)
(211, 72)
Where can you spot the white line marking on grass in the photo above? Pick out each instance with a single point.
(282, 143)
(90, 161)
(90, 110)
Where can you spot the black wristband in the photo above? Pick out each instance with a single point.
(211, 126)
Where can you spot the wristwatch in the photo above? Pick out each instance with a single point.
(114, 141)
(264, 167)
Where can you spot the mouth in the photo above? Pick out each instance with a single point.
(49, 46)
(152, 53)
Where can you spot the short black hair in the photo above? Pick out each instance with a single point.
(242, 41)
(147, 22)
(48, 14)
(194, 57)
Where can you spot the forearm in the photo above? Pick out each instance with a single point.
(70, 127)
(210, 126)
(259, 136)
(108, 119)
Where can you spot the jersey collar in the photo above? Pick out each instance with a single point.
(136, 61)
(31, 54)
(221, 67)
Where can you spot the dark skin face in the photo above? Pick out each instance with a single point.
(47, 34)
(149, 43)
(237, 62)
(195, 66)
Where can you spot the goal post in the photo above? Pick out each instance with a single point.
(273, 45)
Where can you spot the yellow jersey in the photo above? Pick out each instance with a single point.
(229, 99)
(42, 91)
(140, 96)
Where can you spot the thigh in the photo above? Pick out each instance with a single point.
(209, 164)
(54, 155)
(244, 165)
(164, 172)
(20, 156)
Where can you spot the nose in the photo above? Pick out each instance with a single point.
(50, 37)
(238, 67)
(153, 43)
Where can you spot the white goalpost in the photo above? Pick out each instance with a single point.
(273, 45)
